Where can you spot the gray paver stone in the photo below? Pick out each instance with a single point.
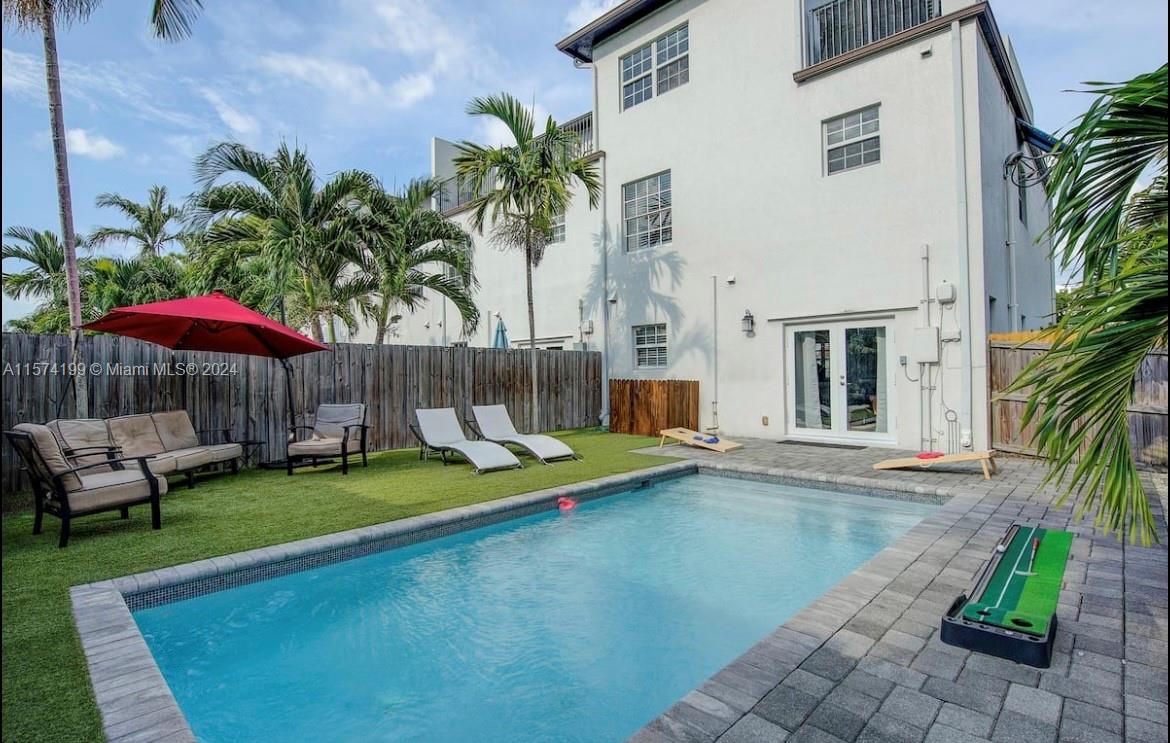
(754, 729)
(911, 706)
(1012, 727)
(1036, 703)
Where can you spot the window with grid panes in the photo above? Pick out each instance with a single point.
(665, 60)
(647, 212)
(852, 141)
(650, 346)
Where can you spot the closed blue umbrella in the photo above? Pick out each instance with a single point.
(501, 339)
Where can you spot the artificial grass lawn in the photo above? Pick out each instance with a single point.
(46, 685)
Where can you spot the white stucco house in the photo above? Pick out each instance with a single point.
(807, 207)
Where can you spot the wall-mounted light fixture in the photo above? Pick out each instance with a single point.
(748, 323)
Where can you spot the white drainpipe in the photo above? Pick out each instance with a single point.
(962, 235)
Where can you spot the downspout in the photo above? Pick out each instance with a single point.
(603, 416)
(962, 234)
(1013, 292)
(715, 352)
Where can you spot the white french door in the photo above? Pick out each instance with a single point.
(840, 381)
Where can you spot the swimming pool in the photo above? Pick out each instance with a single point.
(571, 627)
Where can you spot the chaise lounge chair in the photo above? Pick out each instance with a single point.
(67, 490)
(337, 431)
(439, 431)
(496, 425)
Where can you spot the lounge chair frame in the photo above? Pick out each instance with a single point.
(425, 449)
(475, 429)
(51, 496)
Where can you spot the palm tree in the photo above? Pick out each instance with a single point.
(1081, 388)
(149, 223)
(43, 279)
(119, 282)
(169, 20)
(406, 241)
(281, 215)
(523, 188)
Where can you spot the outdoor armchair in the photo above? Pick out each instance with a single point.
(67, 490)
(337, 431)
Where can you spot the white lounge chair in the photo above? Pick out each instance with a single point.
(439, 430)
(496, 425)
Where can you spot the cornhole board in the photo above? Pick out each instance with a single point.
(687, 436)
(985, 458)
(1011, 612)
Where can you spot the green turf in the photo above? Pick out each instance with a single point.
(46, 688)
(1016, 600)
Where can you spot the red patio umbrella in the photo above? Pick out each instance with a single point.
(213, 322)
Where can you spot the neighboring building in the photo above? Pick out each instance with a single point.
(807, 208)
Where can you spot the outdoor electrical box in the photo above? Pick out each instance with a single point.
(925, 346)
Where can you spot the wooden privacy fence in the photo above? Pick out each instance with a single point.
(1147, 413)
(646, 406)
(246, 394)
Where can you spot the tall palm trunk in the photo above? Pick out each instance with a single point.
(64, 201)
(531, 338)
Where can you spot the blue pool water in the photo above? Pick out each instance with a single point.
(556, 627)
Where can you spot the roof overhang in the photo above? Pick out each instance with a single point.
(580, 44)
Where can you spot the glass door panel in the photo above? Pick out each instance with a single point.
(867, 401)
(812, 379)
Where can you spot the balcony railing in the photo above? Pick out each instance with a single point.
(840, 26)
(453, 194)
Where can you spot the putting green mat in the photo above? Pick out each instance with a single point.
(1013, 598)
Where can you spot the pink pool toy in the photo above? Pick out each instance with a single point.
(566, 504)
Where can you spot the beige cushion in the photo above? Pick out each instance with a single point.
(51, 455)
(224, 452)
(190, 459)
(331, 420)
(175, 430)
(136, 435)
(321, 447)
(106, 489)
(159, 464)
(83, 433)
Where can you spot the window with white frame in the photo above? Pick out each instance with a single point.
(646, 211)
(666, 59)
(852, 141)
(557, 233)
(650, 346)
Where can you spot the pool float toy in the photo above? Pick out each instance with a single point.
(566, 504)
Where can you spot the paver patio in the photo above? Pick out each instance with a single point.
(864, 662)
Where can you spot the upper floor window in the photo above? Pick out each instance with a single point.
(650, 346)
(647, 212)
(557, 233)
(666, 59)
(852, 140)
(1022, 200)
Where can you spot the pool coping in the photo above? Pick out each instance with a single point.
(136, 703)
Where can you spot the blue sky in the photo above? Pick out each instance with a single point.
(367, 83)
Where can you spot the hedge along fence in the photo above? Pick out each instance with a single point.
(246, 394)
(646, 406)
(1147, 413)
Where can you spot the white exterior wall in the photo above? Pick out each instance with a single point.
(751, 200)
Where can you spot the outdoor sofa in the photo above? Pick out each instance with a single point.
(167, 439)
(338, 430)
(67, 489)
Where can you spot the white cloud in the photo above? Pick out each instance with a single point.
(23, 74)
(88, 144)
(243, 126)
(352, 82)
(586, 11)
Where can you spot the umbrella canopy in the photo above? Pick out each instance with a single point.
(501, 339)
(213, 322)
